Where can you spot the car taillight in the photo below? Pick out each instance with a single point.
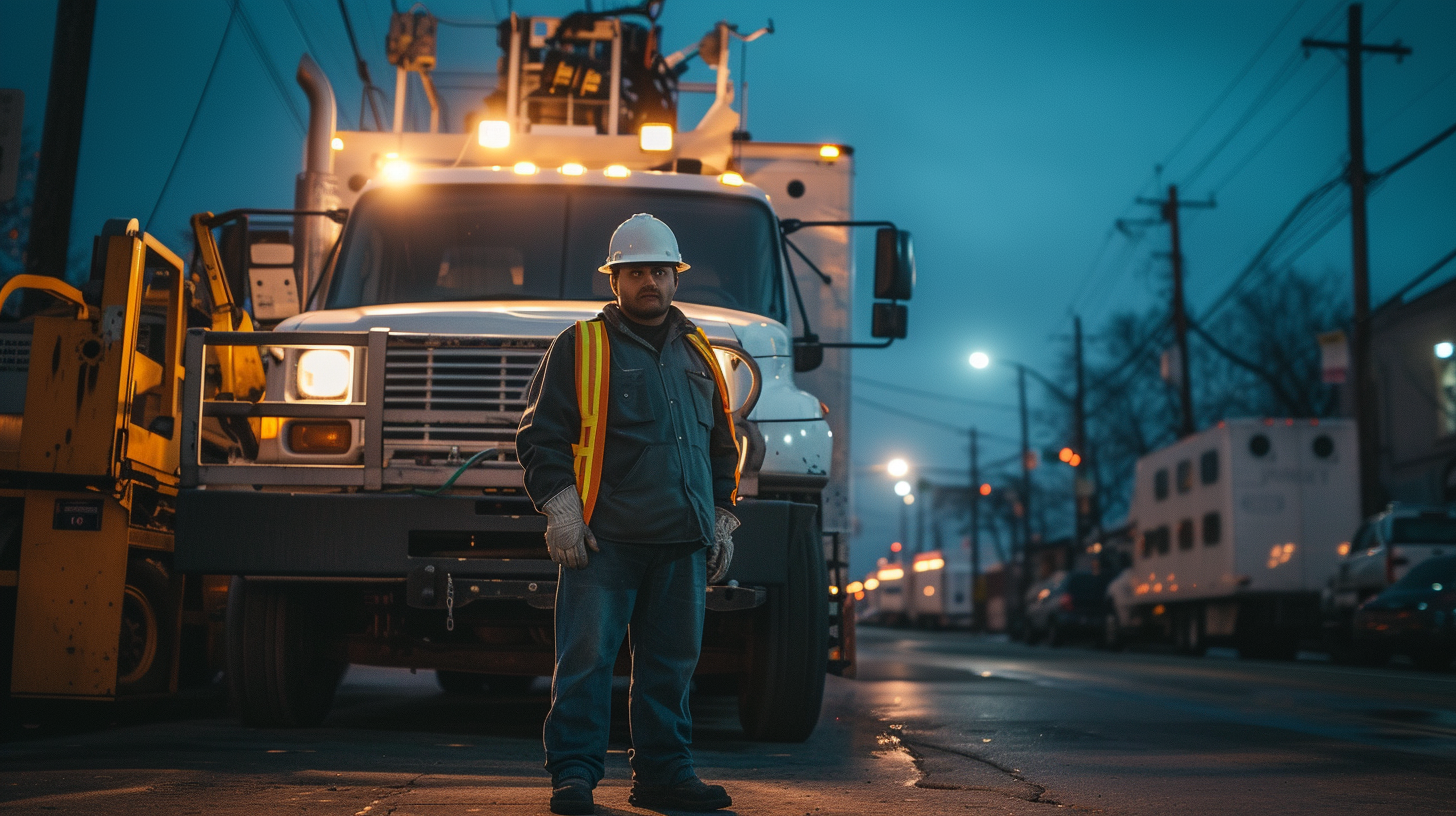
(1064, 603)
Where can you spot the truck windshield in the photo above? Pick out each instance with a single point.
(514, 242)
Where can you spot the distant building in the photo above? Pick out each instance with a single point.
(1415, 370)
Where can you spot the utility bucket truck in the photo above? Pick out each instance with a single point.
(373, 511)
(1236, 530)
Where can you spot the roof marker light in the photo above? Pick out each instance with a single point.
(655, 138)
(395, 169)
(830, 152)
(572, 169)
(525, 168)
(616, 171)
(731, 179)
(494, 133)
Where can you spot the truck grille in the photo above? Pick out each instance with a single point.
(468, 397)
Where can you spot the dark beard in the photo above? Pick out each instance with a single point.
(640, 316)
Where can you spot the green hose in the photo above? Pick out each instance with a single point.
(450, 481)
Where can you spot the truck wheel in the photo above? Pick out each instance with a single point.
(1190, 637)
(1111, 639)
(284, 660)
(780, 696)
(146, 646)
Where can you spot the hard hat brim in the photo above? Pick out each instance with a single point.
(681, 267)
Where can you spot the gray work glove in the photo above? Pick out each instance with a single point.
(720, 554)
(567, 535)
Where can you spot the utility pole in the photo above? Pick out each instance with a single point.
(1079, 442)
(1018, 586)
(1365, 403)
(922, 487)
(978, 602)
(60, 141)
(1168, 209)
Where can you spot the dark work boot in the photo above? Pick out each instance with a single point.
(690, 794)
(572, 796)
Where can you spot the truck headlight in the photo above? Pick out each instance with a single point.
(325, 374)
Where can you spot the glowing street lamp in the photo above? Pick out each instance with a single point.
(902, 488)
(897, 468)
(980, 359)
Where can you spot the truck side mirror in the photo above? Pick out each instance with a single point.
(808, 356)
(888, 320)
(894, 265)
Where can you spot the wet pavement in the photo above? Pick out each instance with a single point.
(937, 723)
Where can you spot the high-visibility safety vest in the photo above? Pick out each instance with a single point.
(593, 384)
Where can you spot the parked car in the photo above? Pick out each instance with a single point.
(1383, 550)
(1066, 606)
(1416, 616)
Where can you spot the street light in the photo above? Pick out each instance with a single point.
(902, 488)
(897, 467)
(980, 359)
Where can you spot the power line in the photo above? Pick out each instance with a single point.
(1222, 97)
(1269, 137)
(1276, 84)
(934, 394)
(945, 426)
(303, 32)
(197, 109)
(268, 65)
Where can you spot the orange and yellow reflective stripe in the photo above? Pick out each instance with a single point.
(699, 341)
(593, 381)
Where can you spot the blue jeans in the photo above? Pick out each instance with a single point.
(655, 594)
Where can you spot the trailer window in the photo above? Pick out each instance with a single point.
(1212, 528)
(1208, 467)
(1423, 531)
(1160, 484)
(1185, 534)
(1156, 541)
(1185, 476)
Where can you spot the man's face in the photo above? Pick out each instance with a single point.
(644, 291)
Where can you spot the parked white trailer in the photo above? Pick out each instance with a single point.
(1236, 531)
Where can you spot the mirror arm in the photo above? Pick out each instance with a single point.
(337, 216)
(809, 338)
(828, 281)
(885, 344)
(792, 225)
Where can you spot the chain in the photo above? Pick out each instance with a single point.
(449, 602)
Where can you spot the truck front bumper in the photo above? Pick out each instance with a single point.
(391, 537)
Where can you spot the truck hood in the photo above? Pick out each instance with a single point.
(532, 318)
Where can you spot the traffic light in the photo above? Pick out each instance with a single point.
(1066, 455)
(986, 489)
(894, 546)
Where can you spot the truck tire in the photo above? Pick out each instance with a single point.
(780, 695)
(1189, 636)
(1111, 638)
(284, 658)
(147, 643)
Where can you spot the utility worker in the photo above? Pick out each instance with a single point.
(629, 451)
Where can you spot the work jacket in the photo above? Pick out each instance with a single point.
(669, 454)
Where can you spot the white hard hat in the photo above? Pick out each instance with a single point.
(642, 239)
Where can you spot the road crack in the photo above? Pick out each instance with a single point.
(943, 767)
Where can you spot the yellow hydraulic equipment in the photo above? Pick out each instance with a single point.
(89, 604)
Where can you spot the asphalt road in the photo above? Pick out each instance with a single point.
(937, 723)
